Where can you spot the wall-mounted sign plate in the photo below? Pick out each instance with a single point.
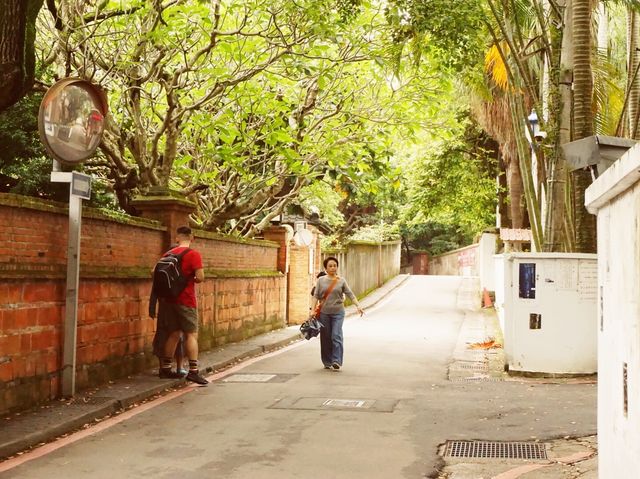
(81, 185)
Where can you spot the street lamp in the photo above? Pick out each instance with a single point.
(538, 134)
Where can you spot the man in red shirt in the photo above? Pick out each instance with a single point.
(181, 313)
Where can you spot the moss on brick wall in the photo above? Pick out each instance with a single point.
(220, 273)
(19, 201)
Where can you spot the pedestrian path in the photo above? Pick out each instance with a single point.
(19, 432)
(479, 357)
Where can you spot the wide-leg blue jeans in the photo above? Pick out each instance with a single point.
(331, 339)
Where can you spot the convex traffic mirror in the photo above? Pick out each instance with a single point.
(71, 120)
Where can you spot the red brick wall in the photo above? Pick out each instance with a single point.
(30, 335)
(221, 253)
(280, 235)
(243, 295)
(232, 309)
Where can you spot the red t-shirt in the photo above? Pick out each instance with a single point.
(190, 263)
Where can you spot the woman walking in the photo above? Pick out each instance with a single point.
(330, 291)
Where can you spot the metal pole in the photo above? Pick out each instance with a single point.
(71, 309)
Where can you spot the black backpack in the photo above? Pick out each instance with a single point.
(168, 280)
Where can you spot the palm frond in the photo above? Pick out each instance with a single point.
(608, 93)
(495, 66)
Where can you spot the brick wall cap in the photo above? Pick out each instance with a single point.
(49, 206)
(241, 273)
(20, 201)
(145, 201)
(122, 218)
(235, 239)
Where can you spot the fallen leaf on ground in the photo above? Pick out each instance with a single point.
(489, 344)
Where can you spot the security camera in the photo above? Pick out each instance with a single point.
(540, 136)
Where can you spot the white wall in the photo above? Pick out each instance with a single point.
(498, 304)
(486, 269)
(615, 197)
(459, 262)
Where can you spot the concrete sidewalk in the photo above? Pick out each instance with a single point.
(480, 345)
(22, 431)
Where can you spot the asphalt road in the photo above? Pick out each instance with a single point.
(383, 415)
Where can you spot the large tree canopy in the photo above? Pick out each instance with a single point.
(365, 112)
(238, 105)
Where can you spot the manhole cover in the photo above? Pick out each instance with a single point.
(496, 450)
(257, 378)
(344, 403)
(332, 404)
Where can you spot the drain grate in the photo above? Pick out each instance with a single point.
(496, 450)
(477, 379)
(469, 366)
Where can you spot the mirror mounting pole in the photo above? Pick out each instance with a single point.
(71, 124)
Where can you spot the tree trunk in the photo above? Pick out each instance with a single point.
(17, 57)
(516, 194)
(503, 219)
(633, 82)
(559, 124)
(583, 120)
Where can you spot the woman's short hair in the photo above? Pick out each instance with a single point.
(330, 258)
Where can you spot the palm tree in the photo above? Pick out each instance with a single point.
(633, 63)
(585, 223)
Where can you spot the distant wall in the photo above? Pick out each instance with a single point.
(486, 261)
(459, 262)
(367, 265)
(243, 295)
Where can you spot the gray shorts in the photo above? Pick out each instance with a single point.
(177, 317)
